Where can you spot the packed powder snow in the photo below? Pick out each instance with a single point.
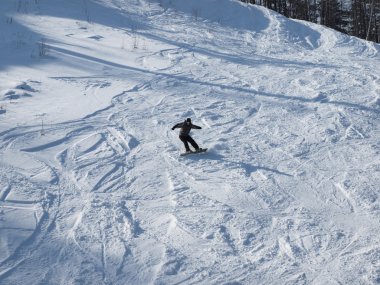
(93, 189)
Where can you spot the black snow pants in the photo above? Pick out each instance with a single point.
(186, 139)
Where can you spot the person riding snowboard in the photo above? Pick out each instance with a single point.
(184, 136)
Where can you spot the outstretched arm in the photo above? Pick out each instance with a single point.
(195, 127)
(179, 125)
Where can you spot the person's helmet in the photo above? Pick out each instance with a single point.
(188, 120)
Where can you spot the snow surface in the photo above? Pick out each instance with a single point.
(92, 187)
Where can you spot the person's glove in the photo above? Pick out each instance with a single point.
(173, 129)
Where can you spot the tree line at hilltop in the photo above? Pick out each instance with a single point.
(359, 18)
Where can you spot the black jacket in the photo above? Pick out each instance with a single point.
(185, 128)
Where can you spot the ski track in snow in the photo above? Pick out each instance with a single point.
(286, 194)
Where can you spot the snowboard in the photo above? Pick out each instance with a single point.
(194, 152)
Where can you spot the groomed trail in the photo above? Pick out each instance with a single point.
(92, 187)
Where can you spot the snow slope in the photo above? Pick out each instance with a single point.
(92, 187)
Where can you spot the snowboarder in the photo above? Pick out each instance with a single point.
(184, 136)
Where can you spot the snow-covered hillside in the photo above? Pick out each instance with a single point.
(92, 187)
